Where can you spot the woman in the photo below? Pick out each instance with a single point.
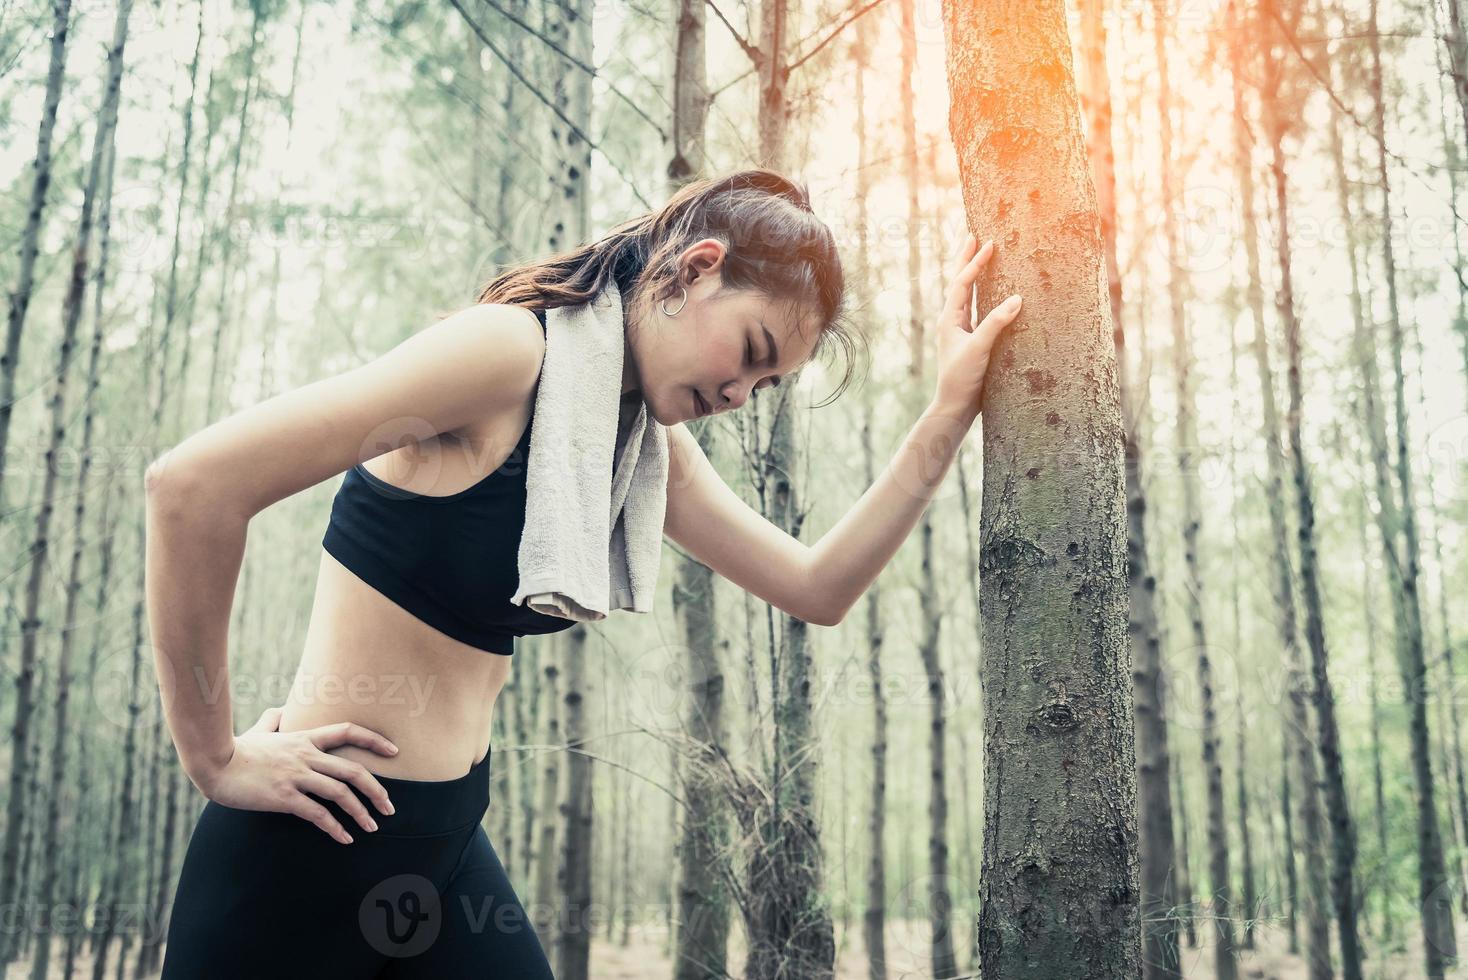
(730, 287)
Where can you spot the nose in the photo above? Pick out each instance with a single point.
(734, 396)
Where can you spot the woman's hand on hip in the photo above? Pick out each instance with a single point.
(963, 348)
(274, 770)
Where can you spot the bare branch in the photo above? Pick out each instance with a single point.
(484, 38)
(854, 14)
(754, 53)
(588, 69)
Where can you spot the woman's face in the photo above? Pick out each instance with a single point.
(716, 348)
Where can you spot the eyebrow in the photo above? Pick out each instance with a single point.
(774, 357)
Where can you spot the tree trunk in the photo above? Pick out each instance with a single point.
(1186, 912)
(1055, 663)
(37, 555)
(874, 919)
(1434, 890)
(20, 299)
(1342, 833)
(550, 785)
(1298, 732)
(577, 920)
(1220, 906)
(1160, 955)
(703, 901)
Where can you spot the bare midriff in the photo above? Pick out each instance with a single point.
(368, 661)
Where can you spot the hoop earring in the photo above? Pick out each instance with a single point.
(663, 305)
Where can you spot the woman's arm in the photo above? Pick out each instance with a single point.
(819, 583)
(850, 556)
(202, 493)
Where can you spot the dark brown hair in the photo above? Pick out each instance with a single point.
(775, 246)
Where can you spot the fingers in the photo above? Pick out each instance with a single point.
(356, 774)
(312, 812)
(347, 733)
(961, 293)
(340, 793)
(999, 318)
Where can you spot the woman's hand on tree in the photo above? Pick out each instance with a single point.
(274, 770)
(963, 348)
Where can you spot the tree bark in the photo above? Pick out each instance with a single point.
(1060, 775)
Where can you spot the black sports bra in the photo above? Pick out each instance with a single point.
(451, 561)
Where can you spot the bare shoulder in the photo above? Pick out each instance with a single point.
(500, 329)
(500, 346)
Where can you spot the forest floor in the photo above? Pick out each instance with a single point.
(907, 954)
(646, 957)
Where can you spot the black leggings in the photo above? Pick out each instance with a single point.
(266, 894)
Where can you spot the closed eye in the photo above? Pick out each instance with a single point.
(749, 359)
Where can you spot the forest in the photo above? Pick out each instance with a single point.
(1164, 684)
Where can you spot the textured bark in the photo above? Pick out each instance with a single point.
(1059, 889)
(1160, 955)
(577, 915)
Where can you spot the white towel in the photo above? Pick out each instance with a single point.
(593, 538)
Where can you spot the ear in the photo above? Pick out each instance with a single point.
(702, 258)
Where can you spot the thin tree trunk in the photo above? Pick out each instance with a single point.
(1220, 906)
(701, 951)
(577, 921)
(1342, 832)
(550, 785)
(1186, 910)
(20, 298)
(1160, 956)
(1299, 734)
(1434, 891)
(37, 557)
